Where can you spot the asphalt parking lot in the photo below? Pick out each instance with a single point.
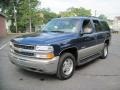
(97, 75)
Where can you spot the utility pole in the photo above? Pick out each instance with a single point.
(95, 13)
(30, 21)
(15, 17)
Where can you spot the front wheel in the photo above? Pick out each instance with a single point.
(66, 66)
(104, 52)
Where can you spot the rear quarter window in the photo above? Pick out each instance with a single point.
(105, 26)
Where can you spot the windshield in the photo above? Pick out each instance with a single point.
(62, 25)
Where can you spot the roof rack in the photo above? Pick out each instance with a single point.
(93, 16)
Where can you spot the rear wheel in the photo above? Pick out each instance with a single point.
(66, 66)
(105, 51)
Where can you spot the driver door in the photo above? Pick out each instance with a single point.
(88, 39)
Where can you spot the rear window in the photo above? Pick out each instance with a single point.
(105, 26)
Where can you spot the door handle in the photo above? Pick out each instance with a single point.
(87, 38)
(83, 47)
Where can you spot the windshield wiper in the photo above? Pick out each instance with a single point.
(45, 31)
(58, 31)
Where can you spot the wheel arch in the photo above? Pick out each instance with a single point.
(107, 41)
(72, 50)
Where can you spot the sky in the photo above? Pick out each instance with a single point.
(110, 8)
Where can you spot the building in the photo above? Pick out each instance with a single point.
(3, 31)
(116, 23)
(110, 23)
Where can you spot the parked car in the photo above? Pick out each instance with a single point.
(114, 31)
(63, 44)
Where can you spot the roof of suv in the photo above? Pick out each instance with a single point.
(81, 17)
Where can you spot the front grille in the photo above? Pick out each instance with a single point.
(30, 47)
(24, 53)
(20, 49)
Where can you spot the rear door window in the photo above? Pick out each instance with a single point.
(97, 25)
(87, 26)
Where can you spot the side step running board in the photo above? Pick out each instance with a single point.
(86, 60)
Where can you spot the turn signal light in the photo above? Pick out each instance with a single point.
(50, 55)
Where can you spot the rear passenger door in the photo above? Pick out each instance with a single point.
(100, 35)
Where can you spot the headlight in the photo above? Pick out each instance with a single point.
(11, 50)
(46, 52)
(44, 48)
(11, 44)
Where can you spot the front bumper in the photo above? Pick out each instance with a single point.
(36, 65)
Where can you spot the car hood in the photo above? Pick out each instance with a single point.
(44, 38)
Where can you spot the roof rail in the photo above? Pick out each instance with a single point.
(93, 16)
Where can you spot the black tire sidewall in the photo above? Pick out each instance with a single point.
(60, 73)
(103, 55)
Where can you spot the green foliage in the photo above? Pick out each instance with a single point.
(47, 15)
(4, 5)
(102, 16)
(26, 10)
(75, 12)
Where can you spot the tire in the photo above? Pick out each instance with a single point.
(66, 66)
(104, 52)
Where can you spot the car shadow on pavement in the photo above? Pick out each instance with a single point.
(35, 75)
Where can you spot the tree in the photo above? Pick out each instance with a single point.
(76, 12)
(102, 16)
(47, 15)
(26, 14)
(4, 4)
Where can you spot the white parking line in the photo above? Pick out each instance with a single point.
(3, 46)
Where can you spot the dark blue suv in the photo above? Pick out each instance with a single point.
(63, 44)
